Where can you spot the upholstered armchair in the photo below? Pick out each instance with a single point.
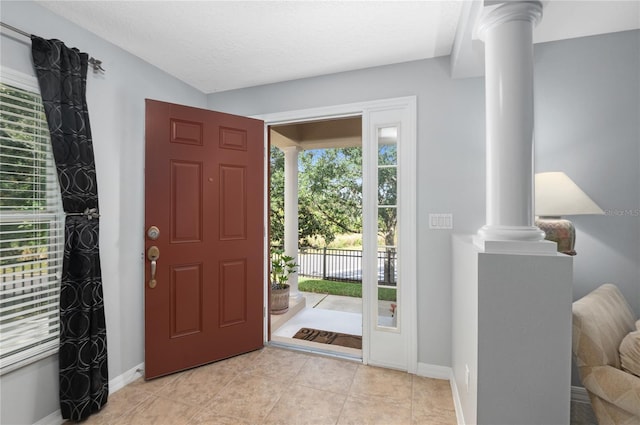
(601, 320)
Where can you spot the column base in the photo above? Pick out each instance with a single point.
(294, 288)
(492, 232)
(513, 239)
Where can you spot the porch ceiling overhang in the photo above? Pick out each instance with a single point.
(337, 133)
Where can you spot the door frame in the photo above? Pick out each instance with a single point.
(407, 214)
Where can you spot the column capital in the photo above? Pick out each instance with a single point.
(525, 10)
(296, 149)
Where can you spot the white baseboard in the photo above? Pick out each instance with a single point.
(126, 378)
(457, 403)
(53, 419)
(115, 384)
(580, 395)
(434, 371)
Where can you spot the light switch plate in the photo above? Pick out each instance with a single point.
(441, 221)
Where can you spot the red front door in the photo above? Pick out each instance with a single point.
(204, 193)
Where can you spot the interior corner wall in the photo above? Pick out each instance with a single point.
(587, 107)
(588, 125)
(116, 106)
(450, 162)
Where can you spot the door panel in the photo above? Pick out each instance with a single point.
(186, 300)
(233, 194)
(233, 291)
(204, 191)
(186, 201)
(189, 133)
(233, 138)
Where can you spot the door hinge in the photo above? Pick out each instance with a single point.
(264, 312)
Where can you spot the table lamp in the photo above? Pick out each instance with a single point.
(557, 195)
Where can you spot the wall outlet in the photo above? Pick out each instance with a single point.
(466, 376)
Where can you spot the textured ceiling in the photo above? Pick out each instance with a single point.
(223, 45)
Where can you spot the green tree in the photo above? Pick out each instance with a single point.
(387, 194)
(23, 182)
(331, 186)
(330, 194)
(276, 196)
(310, 221)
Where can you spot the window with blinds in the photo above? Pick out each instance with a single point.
(31, 230)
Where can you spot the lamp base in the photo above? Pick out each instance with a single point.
(560, 231)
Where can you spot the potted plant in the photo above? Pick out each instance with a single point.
(282, 266)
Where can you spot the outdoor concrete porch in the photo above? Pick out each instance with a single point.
(319, 311)
(326, 312)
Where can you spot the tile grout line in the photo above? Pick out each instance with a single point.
(131, 409)
(211, 401)
(353, 378)
(281, 394)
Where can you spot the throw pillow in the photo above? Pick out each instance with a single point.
(630, 353)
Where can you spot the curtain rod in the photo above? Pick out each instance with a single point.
(95, 63)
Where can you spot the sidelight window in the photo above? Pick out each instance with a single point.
(387, 287)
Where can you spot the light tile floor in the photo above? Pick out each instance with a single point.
(275, 386)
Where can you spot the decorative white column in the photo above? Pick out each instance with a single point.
(507, 32)
(291, 213)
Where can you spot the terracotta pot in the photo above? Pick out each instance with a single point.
(280, 300)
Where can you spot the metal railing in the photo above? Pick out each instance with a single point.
(345, 264)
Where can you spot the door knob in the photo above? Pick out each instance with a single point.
(153, 254)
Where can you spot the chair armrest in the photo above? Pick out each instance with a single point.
(615, 386)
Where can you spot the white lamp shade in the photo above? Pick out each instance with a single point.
(557, 195)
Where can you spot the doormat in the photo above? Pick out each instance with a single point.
(328, 337)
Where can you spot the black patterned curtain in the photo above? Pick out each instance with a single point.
(84, 379)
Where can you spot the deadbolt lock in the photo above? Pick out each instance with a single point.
(153, 233)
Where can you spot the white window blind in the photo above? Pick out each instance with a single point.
(31, 228)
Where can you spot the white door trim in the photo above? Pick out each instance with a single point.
(408, 211)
